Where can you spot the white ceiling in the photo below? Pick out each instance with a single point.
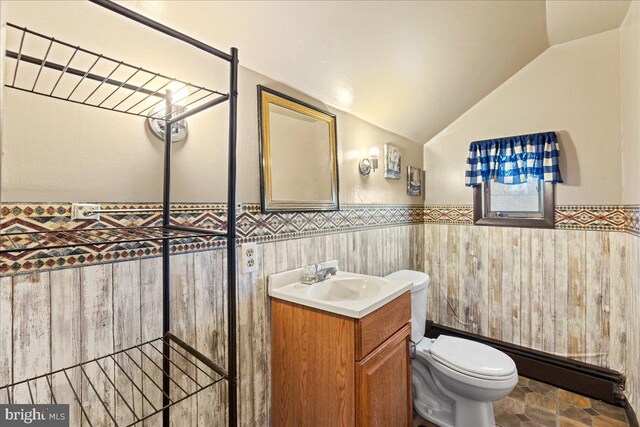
(408, 67)
(572, 19)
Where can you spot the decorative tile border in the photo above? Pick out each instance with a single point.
(448, 214)
(23, 217)
(253, 226)
(596, 217)
(604, 218)
(632, 219)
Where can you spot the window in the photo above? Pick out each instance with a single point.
(529, 204)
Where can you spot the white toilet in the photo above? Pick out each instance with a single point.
(455, 381)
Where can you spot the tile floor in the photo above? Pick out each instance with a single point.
(534, 404)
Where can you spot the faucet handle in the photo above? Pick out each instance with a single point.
(310, 271)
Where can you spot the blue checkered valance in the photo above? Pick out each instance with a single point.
(513, 159)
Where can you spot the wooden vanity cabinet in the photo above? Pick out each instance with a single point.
(332, 370)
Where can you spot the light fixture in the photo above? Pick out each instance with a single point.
(178, 93)
(369, 164)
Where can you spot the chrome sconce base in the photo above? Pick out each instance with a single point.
(157, 124)
(367, 166)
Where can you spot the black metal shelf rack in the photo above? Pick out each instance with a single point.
(144, 93)
(143, 361)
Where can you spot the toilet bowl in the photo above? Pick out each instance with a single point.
(455, 381)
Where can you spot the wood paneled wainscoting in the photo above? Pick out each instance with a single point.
(633, 320)
(53, 319)
(572, 293)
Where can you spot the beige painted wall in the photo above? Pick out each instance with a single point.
(630, 94)
(573, 89)
(102, 156)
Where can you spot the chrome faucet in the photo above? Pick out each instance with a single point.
(315, 273)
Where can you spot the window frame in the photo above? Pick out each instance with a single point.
(481, 210)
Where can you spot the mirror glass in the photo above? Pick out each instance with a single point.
(299, 165)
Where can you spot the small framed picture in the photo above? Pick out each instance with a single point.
(414, 181)
(391, 161)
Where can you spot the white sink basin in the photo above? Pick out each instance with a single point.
(346, 288)
(348, 294)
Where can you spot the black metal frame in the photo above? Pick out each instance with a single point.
(127, 362)
(138, 100)
(20, 242)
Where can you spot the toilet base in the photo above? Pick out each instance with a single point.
(461, 413)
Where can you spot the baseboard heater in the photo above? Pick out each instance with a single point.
(579, 377)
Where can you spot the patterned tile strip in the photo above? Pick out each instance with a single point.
(448, 214)
(605, 218)
(253, 226)
(632, 219)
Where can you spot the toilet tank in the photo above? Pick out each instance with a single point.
(419, 300)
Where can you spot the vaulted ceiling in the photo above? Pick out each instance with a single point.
(409, 67)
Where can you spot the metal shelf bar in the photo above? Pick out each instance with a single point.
(53, 395)
(78, 48)
(184, 382)
(151, 94)
(75, 394)
(146, 89)
(231, 243)
(198, 109)
(103, 81)
(44, 240)
(67, 69)
(124, 371)
(98, 395)
(123, 84)
(121, 10)
(153, 106)
(84, 76)
(201, 357)
(178, 352)
(117, 391)
(18, 57)
(174, 364)
(135, 91)
(144, 372)
(143, 210)
(63, 71)
(42, 65)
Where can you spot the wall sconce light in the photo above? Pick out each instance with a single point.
(156, 121)
(369, 164)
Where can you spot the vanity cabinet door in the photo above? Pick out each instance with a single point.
(383, 384)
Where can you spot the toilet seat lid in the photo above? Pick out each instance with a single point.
(472, 358)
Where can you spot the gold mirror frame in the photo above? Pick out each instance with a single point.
(266, 97)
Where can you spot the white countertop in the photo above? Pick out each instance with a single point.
(364, 294)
